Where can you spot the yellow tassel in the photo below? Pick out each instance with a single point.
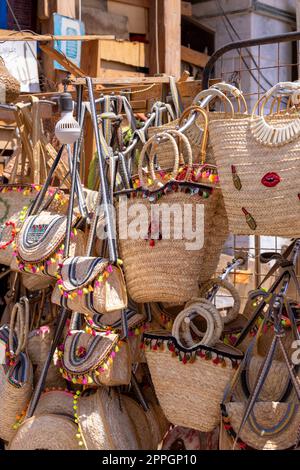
(85, 290)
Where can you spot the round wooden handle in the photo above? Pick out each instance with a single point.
(198, 109)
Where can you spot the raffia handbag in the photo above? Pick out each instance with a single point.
(90, 285)
(258, 164)
(200, 374)
(16, 375)
(98, 359)
(165, 264)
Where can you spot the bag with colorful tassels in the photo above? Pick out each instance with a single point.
(95, 359)
(165, 264)
(14, 203)
(90, 285)
(200, 373)
(258, 163)
(16, 374)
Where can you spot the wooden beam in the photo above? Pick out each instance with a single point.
(91, 58)
(63, 60)
(168, 29)
(123, 81)
(16, 36)
(136, 3)
(194, 57)
(186, 9)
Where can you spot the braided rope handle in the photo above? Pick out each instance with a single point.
(233, 311)
(157, 138)
(181, 325)
(219, 321)
(19, 320)
(196, 108)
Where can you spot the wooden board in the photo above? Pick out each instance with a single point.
(137, 16)
(63, 60)
(186, 9)
(16, 36)
(137, 3)
(194, 57)
(126, 52)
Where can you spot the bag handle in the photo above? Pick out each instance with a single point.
(20, 320)
(182, 139)
(234, 91)
(198, 109)
(214, 93)
(157, 138)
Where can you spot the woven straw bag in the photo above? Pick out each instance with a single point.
(138, 417)
(16, 374)
(39, 344)
(46, 432)
(90, 286)
(165, 265)
(271, 425)
(99, 359)
(199, 374)
(39, 244)
(104, 423)
(10, 87)
(57, 402)
(258, 163)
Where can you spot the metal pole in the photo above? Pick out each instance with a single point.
(113, 255)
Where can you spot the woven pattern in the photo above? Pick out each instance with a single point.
(265, 201)
(170, 272)
(272, 425)
(104, 424)
(107, 295)
(46, 432)
(190, 394)
(8, 83)
(58, 402)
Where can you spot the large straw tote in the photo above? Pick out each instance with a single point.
(270, 426)
(90, 285)
(100, 359)
(9, 86)
(104, 423)
(258, 166)
(165, 270)
(56, 401)
(199, 374)
(46, 432)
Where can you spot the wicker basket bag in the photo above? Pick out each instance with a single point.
(258, 163)
(16, 375)
(162, 269)
(9, 86)
(200, 374)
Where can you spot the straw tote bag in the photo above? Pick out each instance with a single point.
(98, 359)
(16, 373)
(169, 270)
(200, 374)
(90, 285)
(9, 85)
(258, 162)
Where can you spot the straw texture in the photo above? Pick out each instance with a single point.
(46, 432)
(170, 271)
(201, 382)
(57, 402)
(271, 426)
(140, 422)
(9, 84)
(103, 424)
(274, 209)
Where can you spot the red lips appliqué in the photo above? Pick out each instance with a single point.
(270, 179)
